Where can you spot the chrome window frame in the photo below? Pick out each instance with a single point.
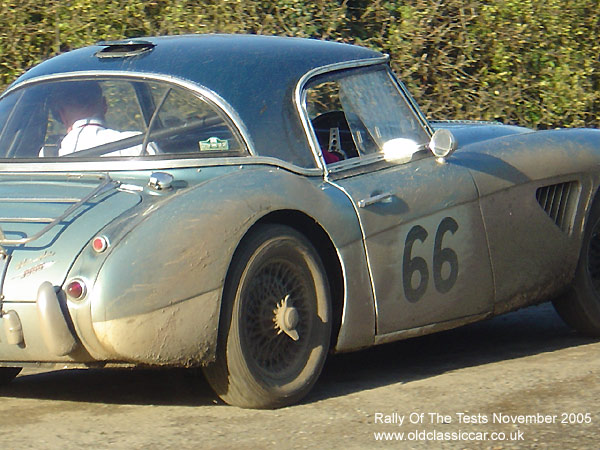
(126, 165)
(361, 161)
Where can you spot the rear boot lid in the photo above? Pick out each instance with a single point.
(45, 221)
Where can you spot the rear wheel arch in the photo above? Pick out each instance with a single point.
(318, 237)
(262, 364)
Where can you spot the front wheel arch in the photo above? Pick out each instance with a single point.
(579, 307)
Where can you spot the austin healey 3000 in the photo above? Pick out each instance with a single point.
(248, 204)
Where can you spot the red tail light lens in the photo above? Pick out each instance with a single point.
(100, 244)
(76, 289)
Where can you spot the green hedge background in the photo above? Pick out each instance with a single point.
(532, 62)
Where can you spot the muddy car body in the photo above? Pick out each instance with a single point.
(271, 200)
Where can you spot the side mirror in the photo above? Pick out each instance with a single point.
(442, 144)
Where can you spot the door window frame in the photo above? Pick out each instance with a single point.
(365, 163)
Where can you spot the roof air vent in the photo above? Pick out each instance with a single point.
(123, 49)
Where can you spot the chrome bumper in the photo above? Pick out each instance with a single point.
(53, 324)
(36, 331)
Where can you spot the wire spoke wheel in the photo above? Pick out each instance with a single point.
(273, 351)
(275, 321)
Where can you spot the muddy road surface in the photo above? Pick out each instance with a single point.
(523, 380)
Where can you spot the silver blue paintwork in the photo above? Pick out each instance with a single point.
(411, 245)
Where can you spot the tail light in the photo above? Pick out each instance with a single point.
(76, 289)
(100, 244)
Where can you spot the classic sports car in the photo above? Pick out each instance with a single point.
(248, 204)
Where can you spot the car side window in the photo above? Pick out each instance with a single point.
(197, 125)
(362, 113)
(113, 117)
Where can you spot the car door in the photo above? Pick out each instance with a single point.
(422, 227)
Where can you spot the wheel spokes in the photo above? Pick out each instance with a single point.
(277, 316)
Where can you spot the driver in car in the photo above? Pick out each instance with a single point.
(81, 107)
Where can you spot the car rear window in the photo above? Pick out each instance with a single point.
(113, 118)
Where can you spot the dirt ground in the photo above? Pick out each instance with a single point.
(523, 380)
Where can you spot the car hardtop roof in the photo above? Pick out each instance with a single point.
(255, 75)
(204, 58)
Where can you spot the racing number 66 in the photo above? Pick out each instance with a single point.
(441, 255)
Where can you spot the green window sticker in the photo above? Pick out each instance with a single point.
(214, 144)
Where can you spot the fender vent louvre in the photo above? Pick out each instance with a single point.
(559, 201)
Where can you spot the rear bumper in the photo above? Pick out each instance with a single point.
(180, 334)
(40, 331)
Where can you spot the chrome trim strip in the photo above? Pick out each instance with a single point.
(412, 103)
(300, 98)
(150, 164)
(204, 92)
(38, 200)
(364, 245)
(72, 176)
(353, 163)
(26, 220)
(366, 160)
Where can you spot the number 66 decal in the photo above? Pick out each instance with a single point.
(441, 255)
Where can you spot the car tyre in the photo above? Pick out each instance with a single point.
(580, 306)
(275, 323)
(7, 374)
